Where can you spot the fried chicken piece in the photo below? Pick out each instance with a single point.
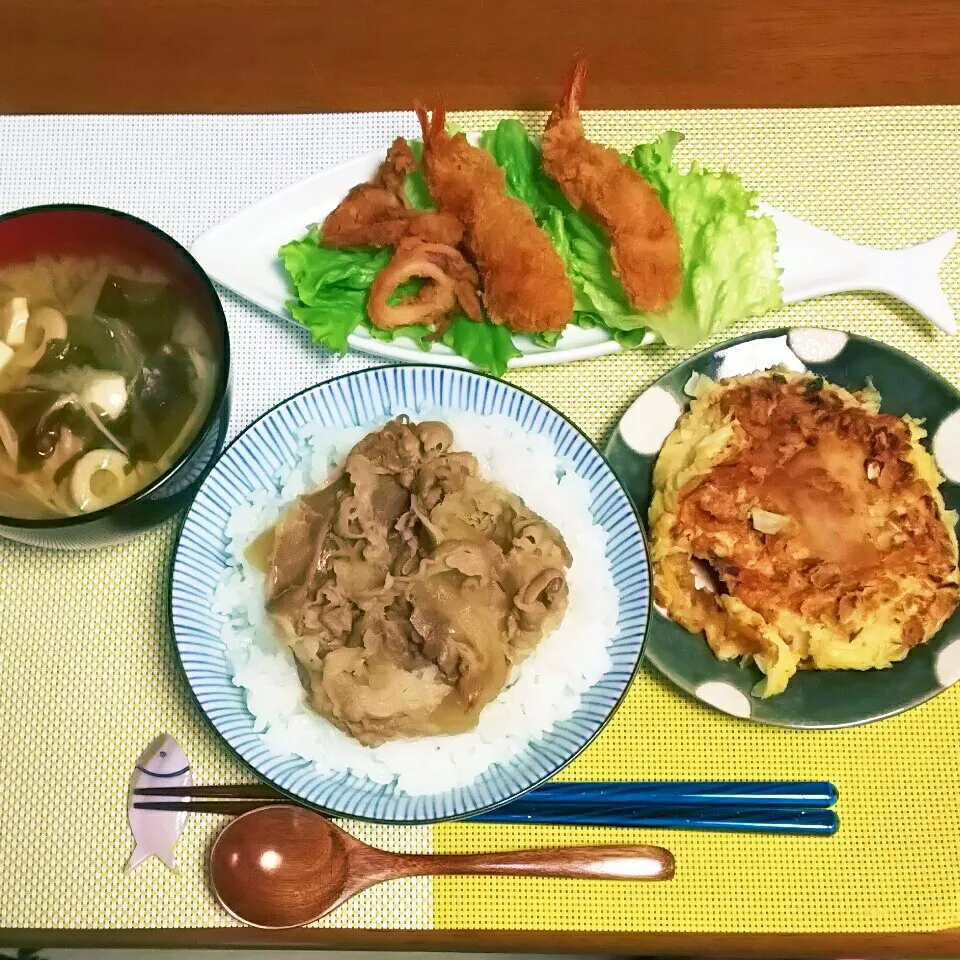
(525, 286)
(367, 216)
(371, 216)
(644, 245)
(376, 214)
(451, 282)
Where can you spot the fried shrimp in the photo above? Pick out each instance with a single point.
(644, 246)
(525, 286)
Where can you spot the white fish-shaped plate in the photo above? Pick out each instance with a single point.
(241, 254)
(155, 832)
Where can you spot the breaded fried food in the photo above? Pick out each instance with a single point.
(524, 283)
(795, 524)
(371, 216)
(644, 246)
(393, 172)
(376, 214)
(450, 283)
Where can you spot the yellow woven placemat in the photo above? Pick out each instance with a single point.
(87, 676)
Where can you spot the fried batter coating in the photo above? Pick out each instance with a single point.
(450, 283)
(370, 216)
(398, 162)
(376, 214)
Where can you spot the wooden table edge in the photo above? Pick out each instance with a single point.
(944, 943)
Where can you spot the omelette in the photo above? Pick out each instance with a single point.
(796, 526)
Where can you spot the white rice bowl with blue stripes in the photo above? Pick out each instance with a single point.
(544, 690)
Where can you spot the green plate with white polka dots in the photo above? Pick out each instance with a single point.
(814, 699)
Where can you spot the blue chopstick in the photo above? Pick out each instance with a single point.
(681, 794)
(780, 820)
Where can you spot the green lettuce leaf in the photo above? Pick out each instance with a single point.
(580, 242)
(415, 187)
(314, 268)
(519, 157)
(548, 338)
(332, 322)
(419, 333)
(331, 287)
(487, 346)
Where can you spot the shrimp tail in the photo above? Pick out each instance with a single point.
(421, 112)
(569, 105)
(431, 126)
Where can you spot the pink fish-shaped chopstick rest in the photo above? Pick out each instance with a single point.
(162, 764)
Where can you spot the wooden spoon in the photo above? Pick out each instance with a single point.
(284, 866)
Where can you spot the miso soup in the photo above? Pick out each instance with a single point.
(106, 374)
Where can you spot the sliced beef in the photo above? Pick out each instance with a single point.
(408, 585)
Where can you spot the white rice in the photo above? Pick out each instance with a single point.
(543, 691)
